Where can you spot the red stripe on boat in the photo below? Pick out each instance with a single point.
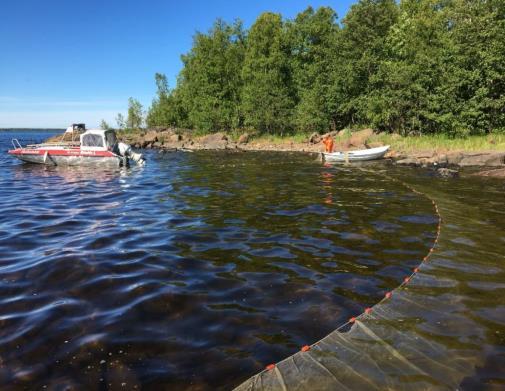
(61, 152)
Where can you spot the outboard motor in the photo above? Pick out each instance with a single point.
(125, 150)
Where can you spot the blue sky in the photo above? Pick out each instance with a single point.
(66, 61)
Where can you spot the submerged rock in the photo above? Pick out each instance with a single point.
(496, 173)
(447, 173)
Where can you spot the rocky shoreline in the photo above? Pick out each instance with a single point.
(447, 162)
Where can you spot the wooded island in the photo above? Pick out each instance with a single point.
(416, 67)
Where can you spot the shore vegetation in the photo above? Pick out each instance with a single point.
(430, 68)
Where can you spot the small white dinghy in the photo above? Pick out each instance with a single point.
(355, 156)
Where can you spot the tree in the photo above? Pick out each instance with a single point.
(166, 109)
(210, 81)
(405, 92)
(312, 41)
(477, 64)
(268, 93)
(161, 85)
(407, 66)
(135, 114)
(121, 124)
(104, 125)
(365, 29)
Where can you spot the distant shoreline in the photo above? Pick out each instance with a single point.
(31, 129)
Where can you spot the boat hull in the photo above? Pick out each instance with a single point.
(356, 156)
(51, 158)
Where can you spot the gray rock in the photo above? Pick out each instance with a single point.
(492, 159)
(423, 154)
(359, 139)
(442, 160)
(496, 173)
(174, 138)
(447, 173)
(214, 141)
(410, 161)
(314, 138)
(150, 137)
(454, 158)
(243, 139)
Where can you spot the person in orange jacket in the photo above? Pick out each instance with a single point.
(328, 144)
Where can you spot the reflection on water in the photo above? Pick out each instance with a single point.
(196, 269)
(72, 174)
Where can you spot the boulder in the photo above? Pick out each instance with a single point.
(435, 160)
(214, 141)
(157, 144)
(496, 173)
(243, 139)
(447, 173)
(410, 161)
(442, 160)
(423, 154)
(173, 138)
(150, 137)
(214, 137)
(359, 139)
(375, 144)
(314, 138)
(333, 134)
(491, 159)
(165, 135)
(454, 158)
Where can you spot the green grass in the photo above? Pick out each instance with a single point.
(443, 143)
(439, 143)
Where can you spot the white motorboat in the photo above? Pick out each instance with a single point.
(95, 147)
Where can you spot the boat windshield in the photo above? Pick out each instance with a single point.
(92, 140)
(110, 138)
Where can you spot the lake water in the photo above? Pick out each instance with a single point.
(198, 269)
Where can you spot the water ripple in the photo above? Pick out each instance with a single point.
(197, 269)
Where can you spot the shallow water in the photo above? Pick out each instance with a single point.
(195, 271)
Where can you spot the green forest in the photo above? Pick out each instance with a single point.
(410, 67)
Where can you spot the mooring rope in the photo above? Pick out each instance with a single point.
(405, 281)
